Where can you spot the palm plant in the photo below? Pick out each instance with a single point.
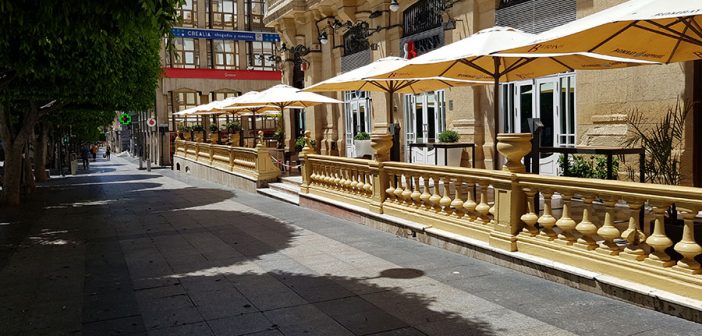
(663, 142)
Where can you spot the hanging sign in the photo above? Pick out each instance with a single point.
(125, 119)
(151, 122)
(225, 34)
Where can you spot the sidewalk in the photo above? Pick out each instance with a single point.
(119, 251)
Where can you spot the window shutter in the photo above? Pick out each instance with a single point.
(536, 16)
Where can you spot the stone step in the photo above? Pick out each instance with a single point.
(291, 189)
(292, 180)
(280, 195)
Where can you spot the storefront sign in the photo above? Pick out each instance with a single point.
(224, 34)
(222, 74)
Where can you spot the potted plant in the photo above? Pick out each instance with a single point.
(214, 134)
(279, 137)
(300, 143)
(453, 154)
(362, 144)
(187, 133)
(181, 132)
(199, 133)
(234, 130)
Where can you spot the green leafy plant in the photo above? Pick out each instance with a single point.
(587, 167)
(213, 128)
(300, 143)
(663, 142)
(187, 128)
(233, 127)
(362, 136)
(198, 128)
(182, 128)
(449, 136)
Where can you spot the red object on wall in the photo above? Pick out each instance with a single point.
(222, 74)
(411, 52)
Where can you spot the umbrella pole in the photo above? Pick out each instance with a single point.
(253, 126)
(496, 112)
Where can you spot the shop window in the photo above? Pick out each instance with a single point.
(222, 14)
(181, 100)
(222, 54)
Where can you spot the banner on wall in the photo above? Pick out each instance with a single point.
(225, 34)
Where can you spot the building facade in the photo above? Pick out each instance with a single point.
(580, 108)
(222, 49)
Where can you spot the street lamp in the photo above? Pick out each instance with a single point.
(394, 6)
(323, 39)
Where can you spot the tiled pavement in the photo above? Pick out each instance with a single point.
(120, 251)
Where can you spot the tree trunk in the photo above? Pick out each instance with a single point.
(29, 182)
(40, 152)
(13, 175)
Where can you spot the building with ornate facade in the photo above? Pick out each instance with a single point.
(587, 108)
(222, 49)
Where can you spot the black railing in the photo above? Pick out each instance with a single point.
(507, 3)
(422, 16)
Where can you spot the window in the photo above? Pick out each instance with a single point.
(179, 101)
(222, 14)
(255, 10)
(186, 54)
(222, 54)
(261, 56)
(189, 13)
(221, 95)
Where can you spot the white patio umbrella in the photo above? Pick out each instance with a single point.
(284, 96)
(476, 58)
(663, 31)
(360, 80)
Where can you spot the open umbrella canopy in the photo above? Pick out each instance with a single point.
(358, 80)
(285, 96)
(663, 31)
(477, 58)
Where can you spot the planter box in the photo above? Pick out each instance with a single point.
(363, 148)
(454, 156)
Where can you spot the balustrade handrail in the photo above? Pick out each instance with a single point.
(681, 195)
(337, 160)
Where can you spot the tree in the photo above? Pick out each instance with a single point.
(91, 55)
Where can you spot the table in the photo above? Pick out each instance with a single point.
(608, 151)
(445, 146)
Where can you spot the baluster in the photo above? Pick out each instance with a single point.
(658, 240)
(530, 217)
(425, 193)
(633, 235)
(687, 246)
(565, 223)
(457, 203)
(469, 205)
(586, 227)
(406, 194)
(353, 184)
(483, 208)
(608, 231)
(347, 180)
(415, 195)
(435, 196)
(390, 191)
(445, 201)
(547, 221)
(398, 189)
(337, 178)
(327, 176)
(367, 186)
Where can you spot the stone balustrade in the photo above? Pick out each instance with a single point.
(622, 229)
(253, 164)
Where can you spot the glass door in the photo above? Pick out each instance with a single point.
(425, 118)
(357, 106)
(547, 100)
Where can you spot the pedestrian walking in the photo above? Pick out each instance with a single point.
(107, 152)
(93, 151)
(84, 153)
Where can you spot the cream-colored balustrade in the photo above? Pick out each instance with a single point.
(255, 163)
(451, 199)
(344, 179)
(599, 228)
